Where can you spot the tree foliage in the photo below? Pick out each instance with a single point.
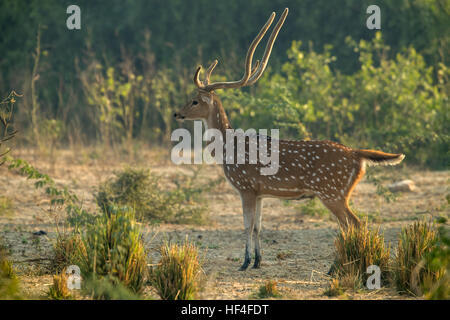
(130, 66)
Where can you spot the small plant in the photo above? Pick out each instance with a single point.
(51, 131)
(58, 196)
(268, 290)
(6, 205)
(112, 249)
(356, 249)
(313, 208)
(108, 289)
(6, 114)
(65, 251)
(410, 269)
(9, 283)
(439, 261)
(381, 190)
(284, 255)
(177, 276)
(59, 289)
(141, 190)
(335, 289)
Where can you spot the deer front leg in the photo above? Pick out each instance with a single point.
(248, 208)
(257, 263)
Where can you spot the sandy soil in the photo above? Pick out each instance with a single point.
(306, 241)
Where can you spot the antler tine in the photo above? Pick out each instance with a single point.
(248, 64)
(268, 50)
(197, 81)
(214, 64)
(209, 71)
(255, 68)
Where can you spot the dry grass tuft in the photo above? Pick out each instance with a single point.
(177, 276)
(269, 290)
(357, 249)
(59, 289)
(9, 283)
(335, 288)
(411, 270)
(65, 251)
(112, 249)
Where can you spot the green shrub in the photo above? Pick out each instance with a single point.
(392, 103)
(177, 275)
(357, 249)
(141, 190)
(411, 269)
(113, 249)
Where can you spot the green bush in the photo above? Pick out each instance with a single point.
(177, 275)
(393, 103)
(411, 269)
(141, 190)
(112, 248)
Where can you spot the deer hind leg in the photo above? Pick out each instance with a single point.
(249, 208)
(345, 217)
(257, 230)
(339, 207)
(342, 212)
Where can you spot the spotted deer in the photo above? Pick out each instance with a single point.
(324, 169)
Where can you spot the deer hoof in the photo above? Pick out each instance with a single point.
(257, 263)
(244, 266)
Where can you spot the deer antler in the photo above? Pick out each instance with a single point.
(251, 75)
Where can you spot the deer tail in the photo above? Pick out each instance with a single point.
(375, 158)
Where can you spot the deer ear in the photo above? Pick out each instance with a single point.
(208, 99)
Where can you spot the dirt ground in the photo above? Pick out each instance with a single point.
(305, 241)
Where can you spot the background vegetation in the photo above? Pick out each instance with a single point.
(119, 79)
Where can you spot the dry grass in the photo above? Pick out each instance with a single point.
(59, 289)
(356, 250)
(310, 239)
(9, 282)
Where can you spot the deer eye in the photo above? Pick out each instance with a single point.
(195, 102)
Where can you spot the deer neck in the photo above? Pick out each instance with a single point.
(217, 118)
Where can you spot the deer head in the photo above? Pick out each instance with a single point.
(205, 102)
